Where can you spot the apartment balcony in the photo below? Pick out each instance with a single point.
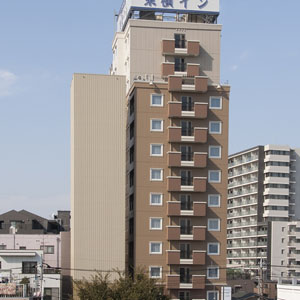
(174, 209)
(173, 282)
(199, 110)
(177, 84)
(196, 282)
(197, 258)
(187, 70)
(167, 69)
(188, 48)
(199, 160)
(199, 185)
(175, 135)
(198, 233)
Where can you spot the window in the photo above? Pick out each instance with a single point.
(131, 226)
(156, 223)
(282, 251)
(214, 224)
(131, 202)
(186, 202)
(156, 150)
(185, 227)
(213, 248)
(155, 272)
(22, 248)
(180, 64)
(156, 199)
(131, 130)
(51, 293)
(214, 200)
(131, 249)
(186, 128)
(186, 178)
(184, 295)
(212, 295)
(179, 40)
(185, 251)
(215, 127)
(48, 249)
(156, 174)
(215, 102)
(213, 272)
(282, 240)
(157, 100)
(155, 247)
(214, 176)
(156, 125)
(131, 106)
(214, 151)
(187, 103)
(131, 154)
(186, 153)
(29, 267)
(2, 247)
(131, 178)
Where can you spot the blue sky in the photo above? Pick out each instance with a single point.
(42, 43)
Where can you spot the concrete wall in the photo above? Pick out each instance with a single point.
(288, 292)
(98, 128)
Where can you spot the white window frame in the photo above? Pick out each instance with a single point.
(214, 181)
(218, 253)
(162, 150)
(161, 172)
(160, 271)
(212, 229)
(212, 292)
(213, 132)
(156, 204)
(155, 253)
(221, 102)
(217, 157)
(156, 105)
(161, 223)
(157, 130)
(212, 205)
(209, 268)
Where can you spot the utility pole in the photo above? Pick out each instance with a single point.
(261, 280)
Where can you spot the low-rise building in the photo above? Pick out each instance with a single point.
(288, 291)
(24, 274)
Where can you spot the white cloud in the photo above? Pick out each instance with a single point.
(234, 67)
(7, 82)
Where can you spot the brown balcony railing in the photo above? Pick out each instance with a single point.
(198, 282)
(173, 257)
(178, 110)
(199, 258)
(167, 69)
(173, 282)
(198, 184)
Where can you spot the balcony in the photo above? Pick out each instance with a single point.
(175, 135)
(167, 69)
(190, 48)
(198, 233)
(174, 209)
(198, 282)
(173, 282)
(197, 258)
(199, 112)
(177, 84)
(175, 159)
(199, 185)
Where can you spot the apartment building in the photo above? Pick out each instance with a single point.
(262, 193)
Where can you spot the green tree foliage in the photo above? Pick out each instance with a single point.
(125, 287)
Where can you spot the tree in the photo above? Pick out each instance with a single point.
(125, 287)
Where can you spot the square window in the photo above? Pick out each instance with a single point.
(213, 248)
(215, 127)
(156, 125)
(157, 100)
(215, 102)
(214, 151)
(156, 199)
(214, 200)
(156, 150)
(212, 295)
(213, 272)
(156, 223)
(156, 174)
(214, 176)
(214, 224)
(155, 272)
(155, 248)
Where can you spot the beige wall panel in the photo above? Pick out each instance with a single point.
(98, 122)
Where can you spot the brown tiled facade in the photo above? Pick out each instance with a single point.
(181, 270)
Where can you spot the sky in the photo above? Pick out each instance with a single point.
(42, 43)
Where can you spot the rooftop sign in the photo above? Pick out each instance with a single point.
(180, 6)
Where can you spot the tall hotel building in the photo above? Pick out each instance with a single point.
(177, 144)
(263, 205)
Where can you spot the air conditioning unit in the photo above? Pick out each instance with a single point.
(139, 77)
